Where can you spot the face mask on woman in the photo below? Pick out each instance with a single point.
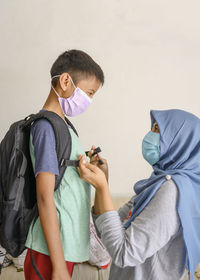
(151, 147)
(75, 104)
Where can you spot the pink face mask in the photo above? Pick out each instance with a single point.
(75, 104)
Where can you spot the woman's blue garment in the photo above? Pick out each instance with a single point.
(180, 158)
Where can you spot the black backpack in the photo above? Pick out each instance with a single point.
(18, 205)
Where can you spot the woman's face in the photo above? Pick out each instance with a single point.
(155, 128)
(151, 145)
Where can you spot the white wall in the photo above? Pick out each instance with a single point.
(149, 51)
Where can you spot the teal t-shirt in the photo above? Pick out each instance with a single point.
(72, 200)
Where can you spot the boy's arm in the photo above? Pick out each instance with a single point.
(45, 164)
(45, 182)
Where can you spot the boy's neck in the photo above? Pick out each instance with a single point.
(52, 104)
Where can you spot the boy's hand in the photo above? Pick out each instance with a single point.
(61, 274)
(92, 174)
(94, 161)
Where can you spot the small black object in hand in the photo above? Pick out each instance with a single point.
(96, 151)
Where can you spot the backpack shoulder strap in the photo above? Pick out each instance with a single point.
(71, 125)
(63, 139)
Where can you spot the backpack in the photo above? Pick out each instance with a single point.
(18, 204)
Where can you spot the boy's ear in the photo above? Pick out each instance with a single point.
(64, 81)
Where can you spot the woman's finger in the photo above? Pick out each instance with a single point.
(94, 160)
(79, 157)
(82, 160)
(91, 167)
(91, 151)
(85, 167)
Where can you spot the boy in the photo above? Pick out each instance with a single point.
(60, 235)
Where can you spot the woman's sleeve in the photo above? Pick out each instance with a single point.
(147, 234)
(124, 211)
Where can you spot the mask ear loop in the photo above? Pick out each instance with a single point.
(53, 86)
(56, 91)
(72, 82)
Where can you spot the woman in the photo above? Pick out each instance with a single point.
(161, 236)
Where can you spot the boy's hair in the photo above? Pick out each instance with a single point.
(78, 64)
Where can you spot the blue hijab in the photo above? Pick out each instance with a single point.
(180, 158)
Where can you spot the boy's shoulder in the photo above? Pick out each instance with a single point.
(42, 130)
(42, 124)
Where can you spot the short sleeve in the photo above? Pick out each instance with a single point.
(44, 143)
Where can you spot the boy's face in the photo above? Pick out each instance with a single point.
(89, 85)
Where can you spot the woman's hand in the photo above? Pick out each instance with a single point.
(96, 177)
(94, 161)
(92, 174)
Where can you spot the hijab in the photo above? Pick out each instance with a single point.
(179, 158)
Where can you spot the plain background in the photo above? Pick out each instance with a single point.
(149, 51)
